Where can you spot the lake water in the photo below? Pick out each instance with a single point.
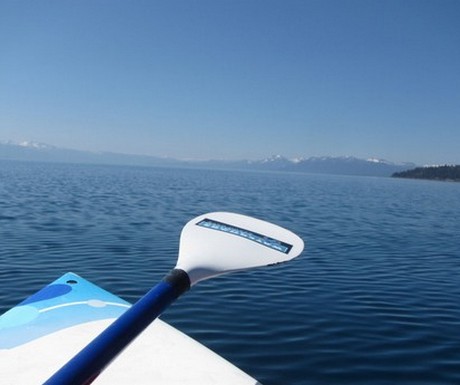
(374, 298)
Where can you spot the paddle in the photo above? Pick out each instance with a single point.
(210, 245)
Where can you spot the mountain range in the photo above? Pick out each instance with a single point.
(344, 165)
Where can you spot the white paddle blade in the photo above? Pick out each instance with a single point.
(220, 242)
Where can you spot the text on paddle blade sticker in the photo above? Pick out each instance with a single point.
(248, 234)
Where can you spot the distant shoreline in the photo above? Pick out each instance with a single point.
(439, 173)
(335, 165)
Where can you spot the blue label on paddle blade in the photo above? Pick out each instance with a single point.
(272, 243)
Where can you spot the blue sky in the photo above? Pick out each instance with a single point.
(234, 78)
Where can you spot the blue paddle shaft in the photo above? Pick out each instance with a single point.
(84, 368)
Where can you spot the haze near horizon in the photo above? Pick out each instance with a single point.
(235, 79)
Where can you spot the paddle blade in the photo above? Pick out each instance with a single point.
(221, 242)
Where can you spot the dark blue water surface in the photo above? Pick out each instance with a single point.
(374, 299)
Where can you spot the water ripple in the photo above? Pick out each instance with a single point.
(373, 300)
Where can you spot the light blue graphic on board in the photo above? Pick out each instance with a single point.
(68, 301)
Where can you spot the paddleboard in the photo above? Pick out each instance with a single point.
(44, 331)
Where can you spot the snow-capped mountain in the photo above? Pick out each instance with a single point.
(41, 152)
(344, 165)
(28, 144)
(36, 145)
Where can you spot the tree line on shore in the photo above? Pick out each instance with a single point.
(451, 173)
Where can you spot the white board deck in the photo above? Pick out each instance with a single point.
(42, 333)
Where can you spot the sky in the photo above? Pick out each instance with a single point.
(234, 79)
